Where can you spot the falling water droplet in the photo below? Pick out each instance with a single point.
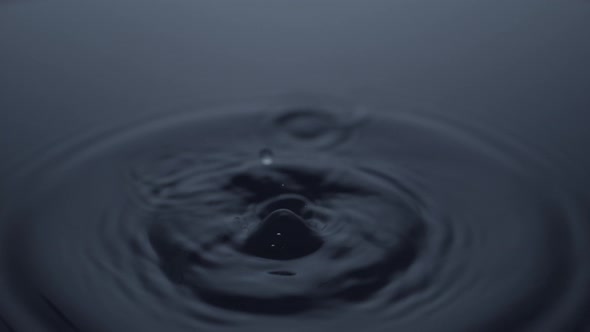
(266, 157)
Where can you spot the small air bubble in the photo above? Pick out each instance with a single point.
(266, 157)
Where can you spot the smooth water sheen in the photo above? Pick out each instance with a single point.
(294, 217)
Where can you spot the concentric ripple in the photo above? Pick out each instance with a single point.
(290, 216)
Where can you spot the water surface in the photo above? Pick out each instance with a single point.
(315, 215)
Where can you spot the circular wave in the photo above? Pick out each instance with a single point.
(294, 216)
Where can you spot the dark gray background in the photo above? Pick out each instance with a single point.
(522, 67)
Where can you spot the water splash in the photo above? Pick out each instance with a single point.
(387, 224)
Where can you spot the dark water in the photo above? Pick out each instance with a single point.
(291, 215)
(247, 166)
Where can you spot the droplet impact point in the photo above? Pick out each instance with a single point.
(282, 236)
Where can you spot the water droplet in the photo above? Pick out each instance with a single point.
(314, 123)
(266, 157)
